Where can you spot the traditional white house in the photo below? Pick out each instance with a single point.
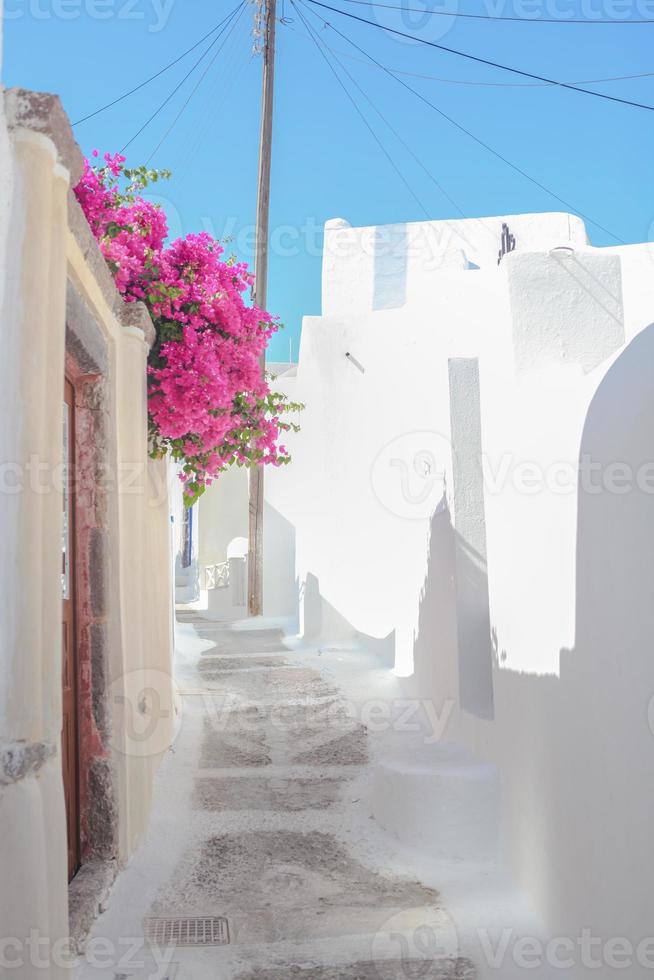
(86, 693)
(471, 498)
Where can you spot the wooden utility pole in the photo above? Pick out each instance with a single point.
(255, 546)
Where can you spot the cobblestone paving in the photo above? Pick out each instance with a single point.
(253, 823)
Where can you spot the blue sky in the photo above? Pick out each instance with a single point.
(594, 153)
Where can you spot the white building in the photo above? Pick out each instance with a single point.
(471, 497)
(87, 707)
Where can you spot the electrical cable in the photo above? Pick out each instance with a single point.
(484, 61)
(417, 159)
(477, 82)
(520, 20)
(467, 132)
(395, 133)
(223, 84)
(362, 117)
(195, 88)
(152, 77)
(179, 84)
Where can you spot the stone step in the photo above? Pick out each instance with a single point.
(403, 969)
(386, 931)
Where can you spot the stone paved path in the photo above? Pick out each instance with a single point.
(259, 813)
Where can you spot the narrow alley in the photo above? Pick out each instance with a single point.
(259, 831)
(327, 523)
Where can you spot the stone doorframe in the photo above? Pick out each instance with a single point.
(87, 366)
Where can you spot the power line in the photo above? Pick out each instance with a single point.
(361, 115)
(195, 87)
(417, 159)
(471, 81)
(230, 73)
(483, 61)
(395, 133)
(179, 84)
(520, 20)
(477, 82)
(152, 77)
(468, 133)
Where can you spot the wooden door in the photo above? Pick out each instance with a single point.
(69, 735)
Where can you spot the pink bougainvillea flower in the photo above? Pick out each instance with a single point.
(209, 405)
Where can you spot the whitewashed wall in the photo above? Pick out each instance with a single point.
(435, 508)
(52, 255)
(223, 516)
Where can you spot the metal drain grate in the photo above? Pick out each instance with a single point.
(200, 931)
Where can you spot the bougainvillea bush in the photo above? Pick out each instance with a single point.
(210, 405)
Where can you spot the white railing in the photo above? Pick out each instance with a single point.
(217, 576)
